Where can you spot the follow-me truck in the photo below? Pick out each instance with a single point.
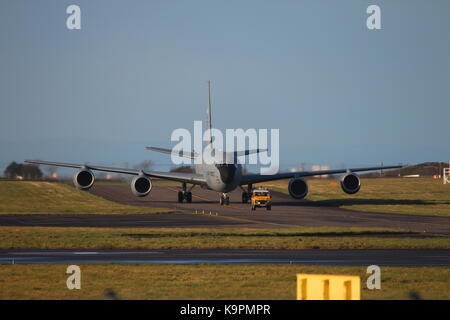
(261, 198)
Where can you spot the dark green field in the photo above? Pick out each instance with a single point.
(205, 282)
(27, 197)
(418, 196)
(422, 196)
(296, 238)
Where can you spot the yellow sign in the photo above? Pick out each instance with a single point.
(328, 287)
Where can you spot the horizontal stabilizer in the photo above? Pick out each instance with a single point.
(179, 153)
(247, 152)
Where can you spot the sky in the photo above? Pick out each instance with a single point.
(340, 94)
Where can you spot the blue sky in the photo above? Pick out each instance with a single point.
(137, 70)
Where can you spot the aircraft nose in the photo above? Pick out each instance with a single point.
(227, 172)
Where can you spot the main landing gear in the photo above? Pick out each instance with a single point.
(224, 199)
(246, 195)
(185, 195)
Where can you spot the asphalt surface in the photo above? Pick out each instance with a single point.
(172, 220)
(388, 257)
(205, 212)
(286, 212)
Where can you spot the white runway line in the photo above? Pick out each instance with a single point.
(85, 253)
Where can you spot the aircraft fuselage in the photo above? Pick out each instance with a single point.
(220, 177)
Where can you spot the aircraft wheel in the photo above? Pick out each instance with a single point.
(188, 197)
(269, 208)
(244, 197)
(221, 200)
(227, 200)
(180, 196)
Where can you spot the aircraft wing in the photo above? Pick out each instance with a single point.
(175, 176)
(255, 178)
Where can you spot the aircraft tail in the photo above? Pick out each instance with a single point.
(208, 112)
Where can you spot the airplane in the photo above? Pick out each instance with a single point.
(221, 173)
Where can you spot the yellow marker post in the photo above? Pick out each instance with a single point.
(328, 287)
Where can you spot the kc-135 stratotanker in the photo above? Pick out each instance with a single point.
(220, 171)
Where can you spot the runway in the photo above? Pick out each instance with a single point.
(286, 212)
(388, 257)
(166, 220)
(205, 212)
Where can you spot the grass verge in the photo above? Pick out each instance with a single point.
(207, 281)
(296, 238)
(422, 196)
(28, 197)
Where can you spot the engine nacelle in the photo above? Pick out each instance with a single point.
(298, 188)
(141, 186)
(83, 179)
(350, 183)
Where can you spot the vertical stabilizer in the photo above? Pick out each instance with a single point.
(208, 111)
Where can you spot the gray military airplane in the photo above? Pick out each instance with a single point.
(221, 173)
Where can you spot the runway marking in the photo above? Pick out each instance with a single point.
(176, 190)
(330, 215)
(201, 198)
(234, 218)
(86, 253)
(34, 253)
(393, 257)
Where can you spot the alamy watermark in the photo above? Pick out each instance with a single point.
(374, 280)
(73, 21)
(228, 148)
(373, 22)
(74, 280)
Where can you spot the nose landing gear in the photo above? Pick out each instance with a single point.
(224, 199)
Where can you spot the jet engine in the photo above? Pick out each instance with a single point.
(298, 188)
(350, 183)
(83, 179)
(141, 186)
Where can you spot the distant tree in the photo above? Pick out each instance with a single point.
(422, 169)
(144, 165)
(31, 172)
(27, 171)
(12, 171)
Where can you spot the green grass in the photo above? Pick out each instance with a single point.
(17, 197)
(297, 238)
(207, 281)
(422, 196)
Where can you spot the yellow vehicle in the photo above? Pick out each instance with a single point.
(261, 198)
